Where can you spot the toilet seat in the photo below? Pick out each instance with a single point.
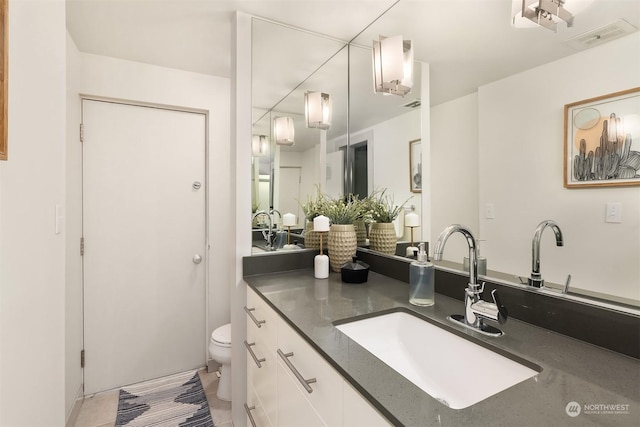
(222, 335)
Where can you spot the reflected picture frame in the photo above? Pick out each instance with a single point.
(4, 81)
(415, 166)
(602, 141)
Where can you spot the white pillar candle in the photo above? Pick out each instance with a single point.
(411, 220)
(321, 267)
(288, 220)
(321, 223)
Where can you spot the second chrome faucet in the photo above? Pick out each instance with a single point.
(536, 278)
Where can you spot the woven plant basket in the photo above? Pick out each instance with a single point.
(342, 245)
(382, 237)
(311, 238)
(361, 232)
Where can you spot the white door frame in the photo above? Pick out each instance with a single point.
(88, 97)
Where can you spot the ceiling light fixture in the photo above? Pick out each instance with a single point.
(317, 110)
(259, 145)
(283, 130)
(545, 13)
(392, 65)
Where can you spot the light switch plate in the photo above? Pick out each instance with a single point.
(613, 213)
(489, 211)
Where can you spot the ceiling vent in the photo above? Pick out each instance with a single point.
(601, 35)
(413, 104)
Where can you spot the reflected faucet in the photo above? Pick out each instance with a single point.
(536, 278)
(268, 236)
(476, 310)
(274, 211)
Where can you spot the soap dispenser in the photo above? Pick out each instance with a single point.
(421, 280)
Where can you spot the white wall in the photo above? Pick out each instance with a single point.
(115, 78)
(521, 172)
(73, 232)
(240, 246)
(454, 172)
(32, 257)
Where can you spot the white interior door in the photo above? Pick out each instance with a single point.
(143, 227)
(290, 192)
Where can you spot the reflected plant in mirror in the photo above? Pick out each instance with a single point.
(315, 206)
(383, 212)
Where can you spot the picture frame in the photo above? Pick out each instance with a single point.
(602, 141)
(415, 166)
(4, 81)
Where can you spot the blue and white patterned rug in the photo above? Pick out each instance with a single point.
(174, 401)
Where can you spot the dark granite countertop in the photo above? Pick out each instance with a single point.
(605, 384)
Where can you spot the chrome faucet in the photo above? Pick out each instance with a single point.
(268, 236)
(536, 278)
(274, 211)
(476, 310)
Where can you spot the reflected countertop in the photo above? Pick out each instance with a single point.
(605, 384)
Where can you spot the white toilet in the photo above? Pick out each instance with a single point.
(220, 351)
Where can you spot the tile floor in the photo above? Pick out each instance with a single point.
(100, 410)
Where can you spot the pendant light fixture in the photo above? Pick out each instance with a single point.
(392, 65)
(283, 130)
(545, 13)
(259, 145)
(317, 110)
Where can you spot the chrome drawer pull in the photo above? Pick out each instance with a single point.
(255, 358)
(248, 411)
(256, 321)
(305, 383)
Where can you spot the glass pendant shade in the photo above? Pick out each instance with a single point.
(317, 110)
(259, 145)
(283, 130)
(392, 65)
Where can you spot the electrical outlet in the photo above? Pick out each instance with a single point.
(613, 213)
(489, 211)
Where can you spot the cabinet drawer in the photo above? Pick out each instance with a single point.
(264, 331)
(294, 410)
(263, 380)
(326, 394)
(254, 409)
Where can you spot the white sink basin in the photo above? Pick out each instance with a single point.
(457, 372)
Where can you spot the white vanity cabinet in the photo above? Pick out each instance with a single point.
(295, 386)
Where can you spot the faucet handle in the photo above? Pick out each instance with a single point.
(502, 310)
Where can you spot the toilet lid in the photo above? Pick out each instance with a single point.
(222, 334)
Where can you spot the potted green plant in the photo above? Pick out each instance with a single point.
(383, 211)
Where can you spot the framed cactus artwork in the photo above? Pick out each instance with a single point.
(602, 141)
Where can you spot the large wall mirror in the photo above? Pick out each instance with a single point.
(381, 128)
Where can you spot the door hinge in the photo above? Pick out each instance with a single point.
(82, 358)
(81, 132)
(82, 246)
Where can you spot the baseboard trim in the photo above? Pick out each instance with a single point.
(75, 409)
